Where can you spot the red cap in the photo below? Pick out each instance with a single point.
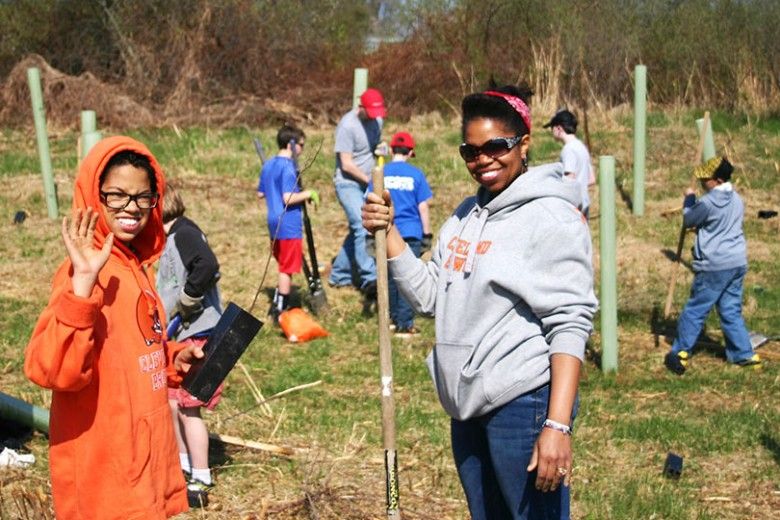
(403, 139)
(373, 102)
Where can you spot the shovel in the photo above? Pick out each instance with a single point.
(318, 300)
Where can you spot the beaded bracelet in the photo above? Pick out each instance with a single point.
(554, 425)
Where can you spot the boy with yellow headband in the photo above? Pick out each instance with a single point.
(719, 263)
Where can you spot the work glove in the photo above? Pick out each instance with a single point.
(427, 242)
(188, 307)
(314, 197)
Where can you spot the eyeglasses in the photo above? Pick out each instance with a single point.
(120, 200)
(494, 148)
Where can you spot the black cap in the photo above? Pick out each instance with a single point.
(563, 118)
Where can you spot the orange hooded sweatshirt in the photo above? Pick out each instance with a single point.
(113, 453)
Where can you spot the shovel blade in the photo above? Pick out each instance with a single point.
(319, 302)
(757, 339)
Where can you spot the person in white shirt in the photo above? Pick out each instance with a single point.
(574, 155)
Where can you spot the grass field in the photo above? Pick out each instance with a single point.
(725, 421)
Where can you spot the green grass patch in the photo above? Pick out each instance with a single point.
(716, 414)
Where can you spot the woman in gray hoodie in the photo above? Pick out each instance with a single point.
(510, 284)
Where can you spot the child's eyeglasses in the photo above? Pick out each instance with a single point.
(494, 148)
(120, 200)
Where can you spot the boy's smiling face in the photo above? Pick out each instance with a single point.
(126, 223)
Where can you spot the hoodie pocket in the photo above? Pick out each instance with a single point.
(142, 452)
(456, 386)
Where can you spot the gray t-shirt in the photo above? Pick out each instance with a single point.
(358, 137)
(576, 159)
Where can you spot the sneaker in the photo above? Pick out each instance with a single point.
(273, 315)
(198, 493)
(405, 332)
(677, 363)
(753, 361)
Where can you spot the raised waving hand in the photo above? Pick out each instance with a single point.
(87, 260)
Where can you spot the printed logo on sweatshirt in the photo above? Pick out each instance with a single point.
(148, 323)
(399, 183)
(459, 250)
(159, 380)
(152, 361)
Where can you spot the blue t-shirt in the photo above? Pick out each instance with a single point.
(277, 178)
(408, 187)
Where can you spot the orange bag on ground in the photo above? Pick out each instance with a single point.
(298, 326)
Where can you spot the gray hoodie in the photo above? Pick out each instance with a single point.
(510, 283)
(720, 241)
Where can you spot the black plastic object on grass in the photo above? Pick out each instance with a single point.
(767, 213)
(233, 333)
(20, 216)
(673, 465)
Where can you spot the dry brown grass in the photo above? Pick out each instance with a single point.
(338, 471)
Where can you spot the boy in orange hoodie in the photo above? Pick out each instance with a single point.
(99, 346)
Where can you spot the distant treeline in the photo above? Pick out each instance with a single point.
(714, 53)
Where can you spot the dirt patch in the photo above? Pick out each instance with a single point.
(66, 96)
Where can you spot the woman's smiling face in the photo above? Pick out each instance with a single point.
(495, 174)
(126, 223)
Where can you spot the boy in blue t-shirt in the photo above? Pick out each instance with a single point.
(719, 264)
(410, 193)
(279, 187)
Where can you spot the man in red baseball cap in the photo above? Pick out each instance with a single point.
(373, 103)
(357, 135)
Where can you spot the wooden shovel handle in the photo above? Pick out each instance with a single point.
(385, 356)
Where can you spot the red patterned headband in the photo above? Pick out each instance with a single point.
(516, 103)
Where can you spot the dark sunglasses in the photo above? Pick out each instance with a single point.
(120, 200)
(494, 148)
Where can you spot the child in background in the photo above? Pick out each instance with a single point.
(99, 346)
(720, 264)
(279, 187)
(410, 194)
(187, 284)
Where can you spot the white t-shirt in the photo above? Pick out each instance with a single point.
(576, 159)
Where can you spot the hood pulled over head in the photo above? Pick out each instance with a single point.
(149, 244)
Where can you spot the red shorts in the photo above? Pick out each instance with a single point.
(289, 254)
(186, 399)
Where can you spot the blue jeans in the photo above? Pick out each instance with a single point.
(724, 290)
(353, 252)
(492, 453)
(401, 312)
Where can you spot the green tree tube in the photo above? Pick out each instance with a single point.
(708, 152)
(39, 117)
(640, 147)
(609, 342)
(360, 84)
